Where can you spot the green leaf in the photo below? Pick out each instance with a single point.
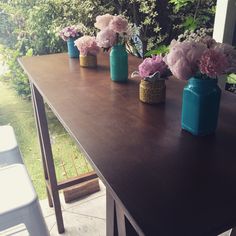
(163, 49)
(190, 23)
(179, 4)
(231, 79)
(30, 52)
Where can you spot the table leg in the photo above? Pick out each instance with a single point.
(123, 224)
(47, 157)
(111, 224)
(120, 220)
(50, 203)
(117, 222)
(233, 232)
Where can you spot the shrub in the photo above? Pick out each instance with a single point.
(31, 26)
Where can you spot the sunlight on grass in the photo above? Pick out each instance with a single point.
(19, 113)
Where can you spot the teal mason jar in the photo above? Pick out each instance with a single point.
(200, 108)
(72, 49)
(119, 63)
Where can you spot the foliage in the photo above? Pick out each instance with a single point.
(180, 3)
(33, 25)
(158, 51)
(187, 15)
(14, 72)
(231, 79)
(162, 20)
(231, 83)
(150, 16)
(190, 15)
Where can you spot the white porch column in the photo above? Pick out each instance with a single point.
(225, 19)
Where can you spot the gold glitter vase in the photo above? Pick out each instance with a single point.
(88, 61)
(152, 92)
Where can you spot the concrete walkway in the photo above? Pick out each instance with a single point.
(85, 217)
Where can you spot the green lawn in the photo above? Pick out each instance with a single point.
(19, 113)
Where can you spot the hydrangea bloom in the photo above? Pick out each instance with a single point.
(87, 45)
(151, 65)
(208, 41)
(114, 30)
(183, 58)
(118, 24)
(230, 53)
(213, 63)
(203, 55)
(70, 32)
(106, 38)
(103, 21)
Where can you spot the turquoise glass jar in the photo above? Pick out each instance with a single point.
(200, 107)
(119, 63)
(72, 49)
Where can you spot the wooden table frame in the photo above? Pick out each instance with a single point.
(117, 221)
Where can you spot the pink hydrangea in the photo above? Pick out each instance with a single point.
(213, 63)
(106, 38)
(151, 65)
(69, 32)
(118, 24)
(87, 45)
(230, 53)
(103, 21)
(183, 58)
(208, 41)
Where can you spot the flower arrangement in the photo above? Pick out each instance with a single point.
(87, 45)
(73, 31)
(149, 66)
(203, 58)
(113, 30)
(152, 88)
(152, 69)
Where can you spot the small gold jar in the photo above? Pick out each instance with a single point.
(152, 92)
(88, 61)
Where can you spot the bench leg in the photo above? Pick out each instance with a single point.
(34, 221)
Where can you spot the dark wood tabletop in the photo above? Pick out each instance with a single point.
(170, 182)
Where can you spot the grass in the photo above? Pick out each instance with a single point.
(19, 113)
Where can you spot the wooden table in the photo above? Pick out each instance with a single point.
(160, 179)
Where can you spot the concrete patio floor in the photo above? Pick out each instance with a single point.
(85, 217)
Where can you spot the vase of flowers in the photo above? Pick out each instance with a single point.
(119, 63)
(154, 72)
(88, 51)
(201, 100)
(70, 34)
(201, 62)
(115, 32)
